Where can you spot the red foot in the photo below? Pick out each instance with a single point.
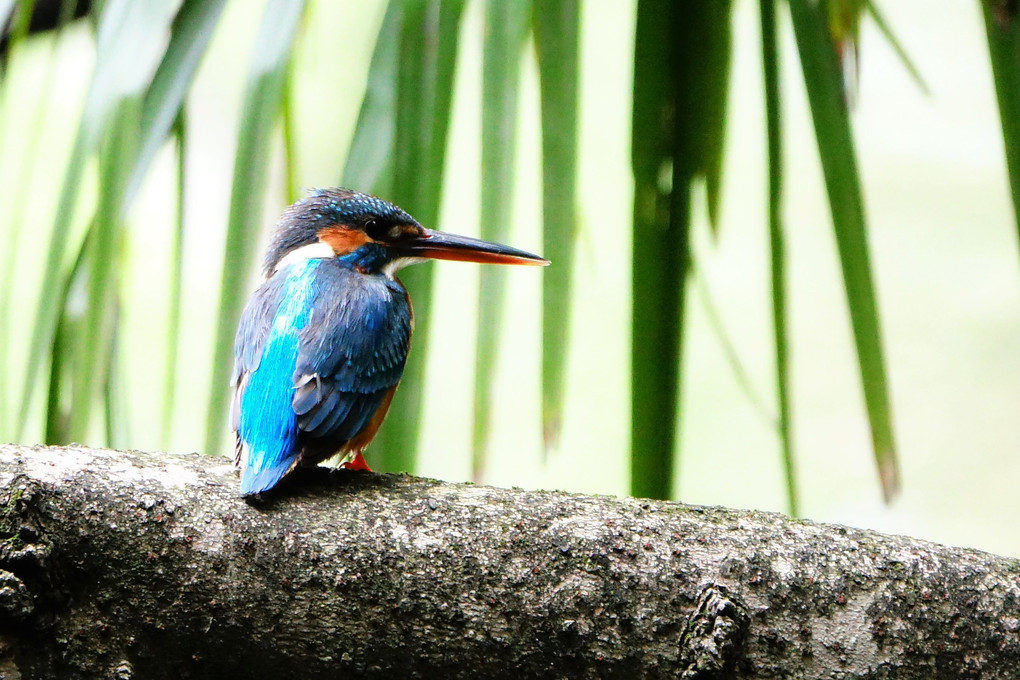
(357, 463)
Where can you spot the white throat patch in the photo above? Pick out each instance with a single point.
(393, 266)
(318, 250)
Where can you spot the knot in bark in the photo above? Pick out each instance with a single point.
(714, 638)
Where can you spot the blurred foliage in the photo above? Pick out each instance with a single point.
(263, 100)
(506, 28)
(146, 55)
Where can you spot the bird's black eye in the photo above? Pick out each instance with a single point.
(375, 229)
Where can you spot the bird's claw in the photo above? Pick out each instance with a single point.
(357, 463)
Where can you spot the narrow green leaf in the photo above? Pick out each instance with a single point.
(261, 108)
(93, 349)
(908, 63)
(557, 44)
(73, 286)
(57, 408)
(424, 90)
(660, 254)
(777, 247)
(118, 413)
(369, 164)
(442, 62)
(290, 162)
(68, 329)
(50, 299)
(16, 223)
(505, 30)
(134, 135)
(128, 43)
(822, 78)
(708, 86)
(173, 322)
(189, 38)
(678, 64)
(1003, 32)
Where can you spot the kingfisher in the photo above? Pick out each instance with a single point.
(321, 344)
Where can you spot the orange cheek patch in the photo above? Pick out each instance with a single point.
(343, 240)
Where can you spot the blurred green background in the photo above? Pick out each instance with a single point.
(941, 228)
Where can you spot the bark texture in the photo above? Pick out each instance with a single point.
(146, 565)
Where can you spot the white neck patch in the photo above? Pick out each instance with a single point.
(318, 250)
(393, 266)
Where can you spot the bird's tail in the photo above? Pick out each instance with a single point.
(262, 470)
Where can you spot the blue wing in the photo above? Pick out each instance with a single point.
(352, 354)
(318, 348)
(266, 350)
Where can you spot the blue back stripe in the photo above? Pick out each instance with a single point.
(268, 422)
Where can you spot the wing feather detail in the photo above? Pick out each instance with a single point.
(352, 352)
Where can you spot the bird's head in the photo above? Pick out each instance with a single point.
(373, 235)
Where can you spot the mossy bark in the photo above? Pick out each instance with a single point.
(148, 565)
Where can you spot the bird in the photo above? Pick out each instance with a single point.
(322, 342)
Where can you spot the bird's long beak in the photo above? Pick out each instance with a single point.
(440, 245)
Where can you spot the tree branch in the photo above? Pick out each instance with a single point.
(125, 565)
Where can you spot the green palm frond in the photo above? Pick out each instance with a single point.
(777, 244)
(557, 30)
(127, 53)
(842, 180)
(424, 91)
(1003, 33)
(506, 29)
